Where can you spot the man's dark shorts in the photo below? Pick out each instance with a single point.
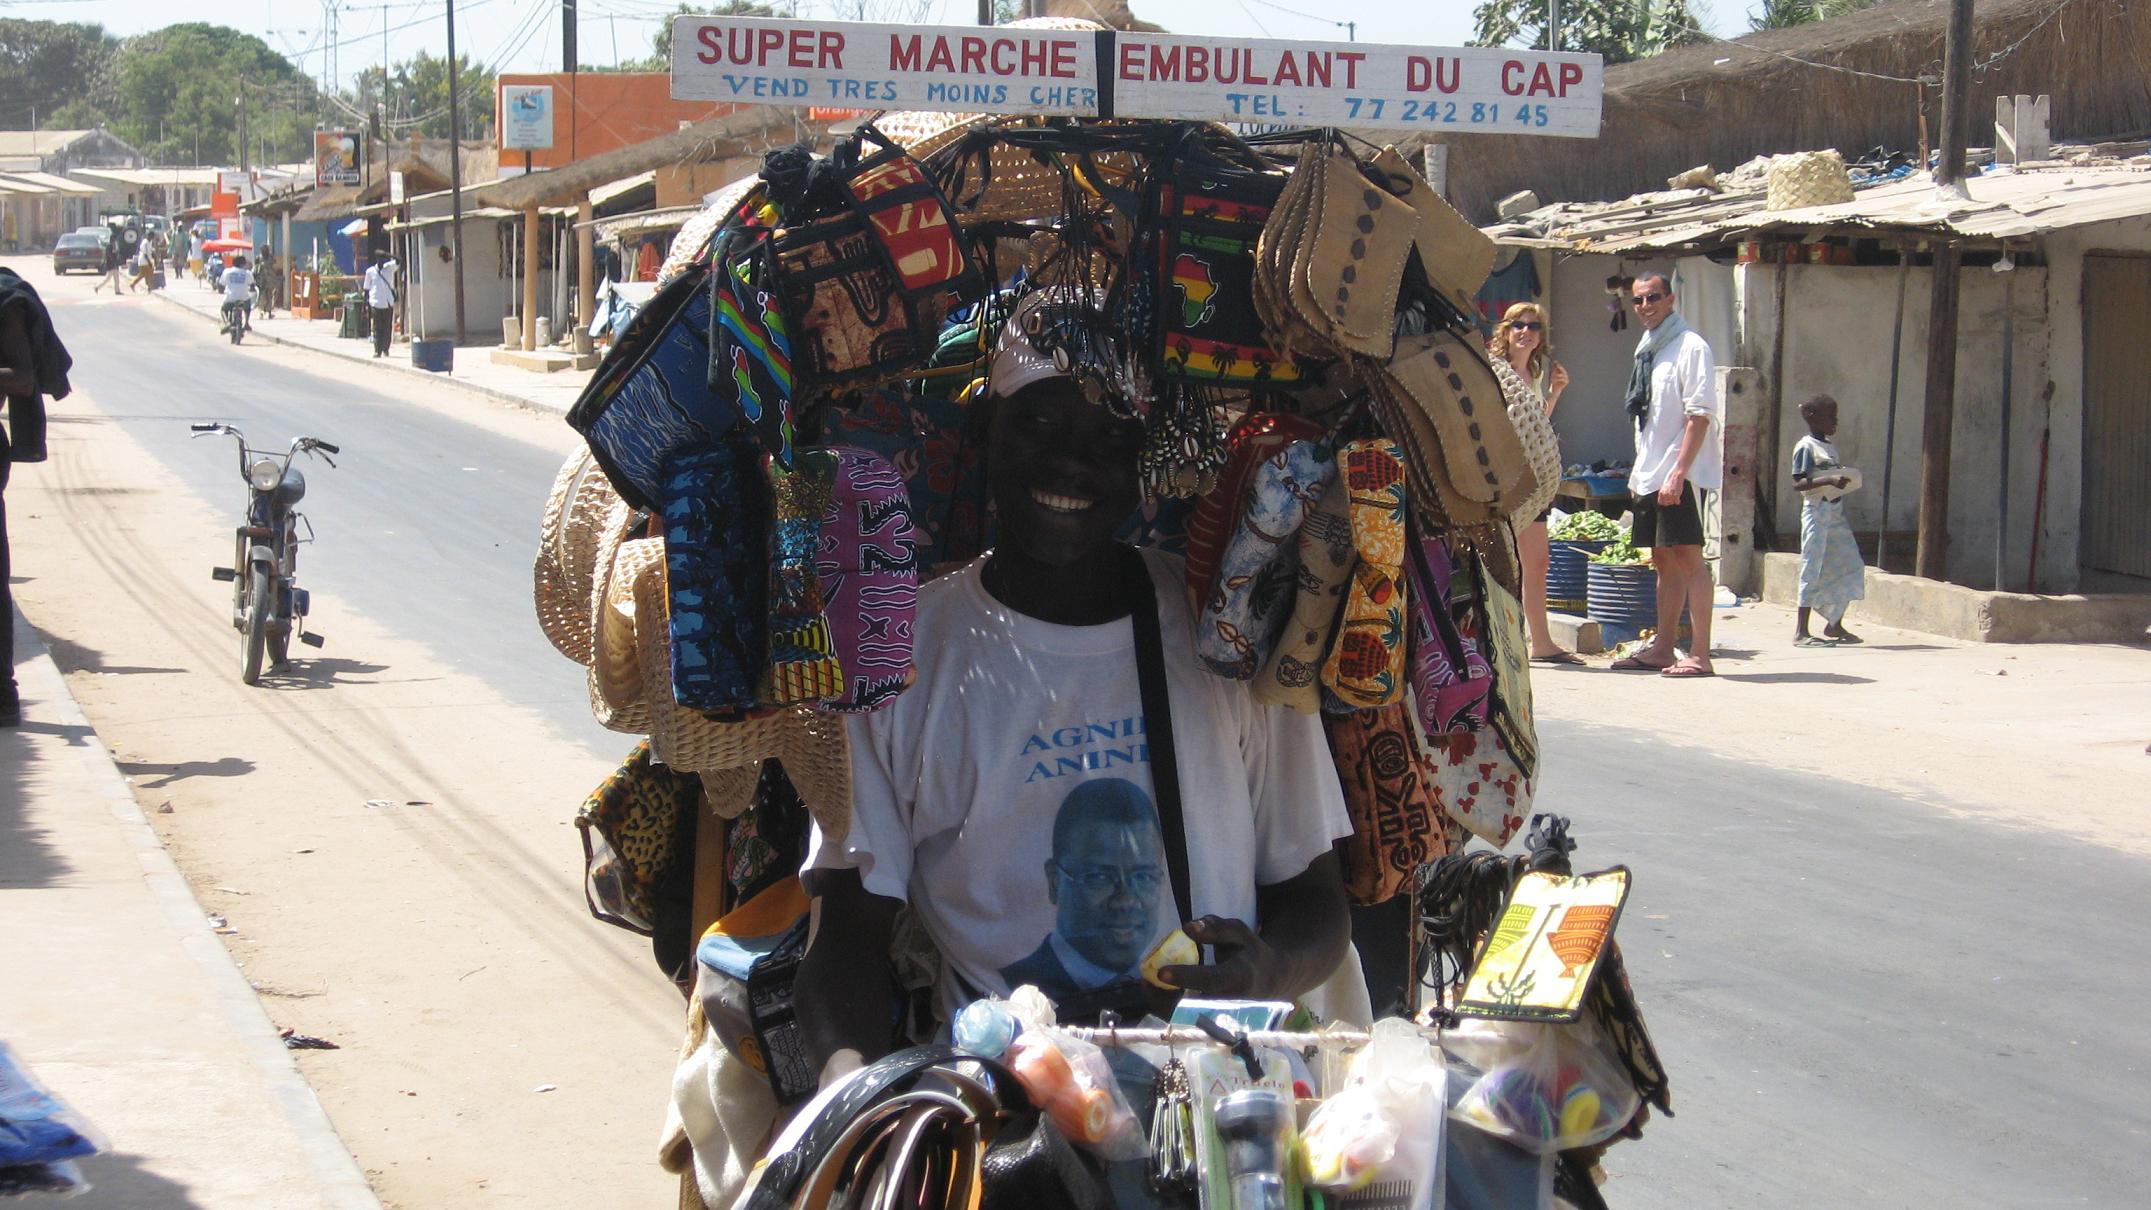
(1669, 524)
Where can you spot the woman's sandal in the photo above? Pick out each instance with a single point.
(1558, 657)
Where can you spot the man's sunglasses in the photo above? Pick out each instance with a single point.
(1653, 297)
(1524, 325)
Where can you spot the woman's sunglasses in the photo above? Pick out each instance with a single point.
(1525, 325)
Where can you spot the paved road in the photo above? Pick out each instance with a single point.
(427, 524)
(1863, 1002)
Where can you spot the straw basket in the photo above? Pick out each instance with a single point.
(1808, 178)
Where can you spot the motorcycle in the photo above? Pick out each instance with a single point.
(268, 608)
(239, 316)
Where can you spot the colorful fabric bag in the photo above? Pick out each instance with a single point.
(650, 398)
(632, 827)
(1451, 680)
(1365, 668)
(751, 340)
(716, 512)
(1388, 780)
(930, 443)
(1479, 785)
(1508, 650)
(802, 654)
(868, 566)
(1254, 588)
(1257, 436)
(1292, 677)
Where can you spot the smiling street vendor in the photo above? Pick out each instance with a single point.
(1008, 797)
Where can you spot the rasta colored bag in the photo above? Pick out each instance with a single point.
(750, 341)
(1213, 213)
(651, 397)
(866, 287)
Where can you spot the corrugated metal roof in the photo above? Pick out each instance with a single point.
(605, 193)
(58, 184)
(199, 178)
(2032, 200)
(11, 184)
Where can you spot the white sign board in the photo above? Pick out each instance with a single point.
(395, 189)
(947, 68)
(1355, 84)
(526, 117)
(1085, 73)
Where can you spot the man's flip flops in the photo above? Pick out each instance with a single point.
(1558, 657)
(1687, 671)
(1632, 664)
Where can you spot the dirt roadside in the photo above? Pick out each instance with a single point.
(438, 936)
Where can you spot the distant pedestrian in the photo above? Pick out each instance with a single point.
(145, 263)
(111, 264)
(1673, 396)
(1832, 574)
(380, 282)
(33, 364)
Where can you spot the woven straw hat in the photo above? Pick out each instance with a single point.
(613, 653)
(1808, 178)
(566, 562)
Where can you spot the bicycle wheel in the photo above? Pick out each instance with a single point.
(257, 626)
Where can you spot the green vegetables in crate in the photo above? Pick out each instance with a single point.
(1622, 551)
(1586, 526)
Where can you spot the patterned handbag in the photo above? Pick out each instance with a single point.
(1389, 790)
(803, 664)
(1253, 592)
(716, 513)
(1366, 667)
(1479, 784)
(1253, 439)
(751, 345)
(632, 827)
(651, 397)
(866, 287)
(1451, 680)
(868, 565)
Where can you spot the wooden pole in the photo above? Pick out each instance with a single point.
(1933, 557)
(455, 172)
(585, 265)
(1889, 433)
(2001, 486)
(531, 237)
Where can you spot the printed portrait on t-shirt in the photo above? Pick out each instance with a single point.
(1104, 880)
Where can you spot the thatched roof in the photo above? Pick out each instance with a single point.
(749, 130)
(1724, 103)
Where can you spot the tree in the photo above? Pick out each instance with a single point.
(1784, 14)
(178, 93)
(661, 42)
(47, 67)
(1620, 30)
(416, 97)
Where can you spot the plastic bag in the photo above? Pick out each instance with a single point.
(1384, 1125)
(39, 1135)
(1545, 1088)
(1072, 1082)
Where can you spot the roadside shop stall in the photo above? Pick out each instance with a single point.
(783, 444)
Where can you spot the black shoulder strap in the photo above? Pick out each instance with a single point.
(1158, 724)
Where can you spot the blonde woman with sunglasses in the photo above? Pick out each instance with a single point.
(1522, 354)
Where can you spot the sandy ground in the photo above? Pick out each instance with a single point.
(392, 843)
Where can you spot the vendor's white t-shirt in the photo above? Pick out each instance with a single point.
(1018, 731)
(238, 284)
(1684, 383)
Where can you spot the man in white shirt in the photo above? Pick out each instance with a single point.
(1007, 796)
(380, 284)
(1680, 435)
(238, 283)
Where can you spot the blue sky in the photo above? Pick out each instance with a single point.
(524, 35)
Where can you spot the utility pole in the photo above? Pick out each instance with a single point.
(985, 12)
(455, 171)
(568, 21)
(241, 101)
(1932, 560)
(1553, 25)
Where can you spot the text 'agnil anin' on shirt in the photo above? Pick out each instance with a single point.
(1088, 748)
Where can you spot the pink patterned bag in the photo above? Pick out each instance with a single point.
(868, 566)
(1451, 680)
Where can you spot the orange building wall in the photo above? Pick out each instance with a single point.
(611, 109)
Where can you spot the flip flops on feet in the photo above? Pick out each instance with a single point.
(1809, 640)
(1634, 664)
(1687, 669)
(1558, 657)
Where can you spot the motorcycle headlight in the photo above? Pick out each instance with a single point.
(265, 475)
